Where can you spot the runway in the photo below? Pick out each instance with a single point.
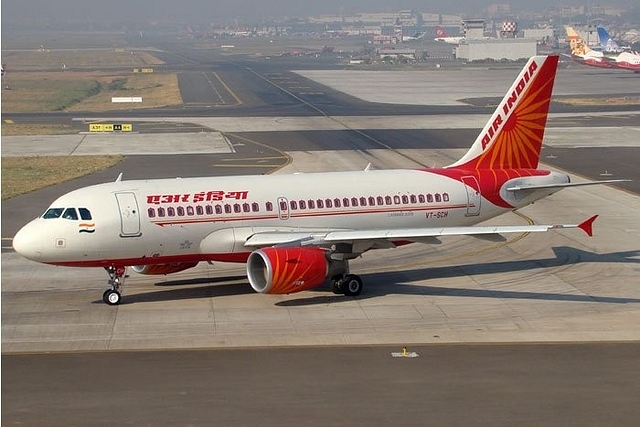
(323, 359)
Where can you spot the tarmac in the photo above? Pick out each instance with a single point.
(557, 287)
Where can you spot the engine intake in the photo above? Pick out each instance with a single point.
(286, 270)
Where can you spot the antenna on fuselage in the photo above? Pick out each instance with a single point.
(368, 168)
(119, 178)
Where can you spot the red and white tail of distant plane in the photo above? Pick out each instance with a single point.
(583, 54)
(295, 232)
(441, 36)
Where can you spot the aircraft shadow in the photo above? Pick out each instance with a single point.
(217, 289)
(382, 284)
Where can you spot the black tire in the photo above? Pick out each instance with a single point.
(352, 285)
(112, 297)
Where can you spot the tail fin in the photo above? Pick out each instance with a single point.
(440, 32)
(607, 43)
(512, 138)
(576, 44)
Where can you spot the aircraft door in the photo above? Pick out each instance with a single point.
(474, 197)
(283, 208)
(129, 214)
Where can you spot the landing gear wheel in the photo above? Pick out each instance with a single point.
(111, 297)
(352, 285)
(117, 275)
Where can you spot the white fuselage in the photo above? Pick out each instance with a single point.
(179, 220)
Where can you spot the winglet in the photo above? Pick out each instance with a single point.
(587, 225)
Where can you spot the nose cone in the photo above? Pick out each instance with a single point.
(28, 242)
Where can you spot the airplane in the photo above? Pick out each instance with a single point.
(414, 37)
(441, 36)
(295, 232)
(626, 60)
(582, 53)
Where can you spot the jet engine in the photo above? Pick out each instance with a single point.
(167, 268)
(286, 270)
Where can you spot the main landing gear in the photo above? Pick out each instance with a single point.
(349, 285)
(112, 295)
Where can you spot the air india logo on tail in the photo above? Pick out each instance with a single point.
(508, 104)
(512, 139)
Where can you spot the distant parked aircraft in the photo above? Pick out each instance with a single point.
(416, 36)
(441, 36)
(583, 54)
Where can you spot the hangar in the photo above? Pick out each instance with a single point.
(496, 49)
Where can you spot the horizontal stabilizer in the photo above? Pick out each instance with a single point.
(564, 184)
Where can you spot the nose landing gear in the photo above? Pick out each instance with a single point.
(112, 296)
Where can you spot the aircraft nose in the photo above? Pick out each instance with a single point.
(27, 242)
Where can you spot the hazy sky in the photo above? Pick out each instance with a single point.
(203, 9)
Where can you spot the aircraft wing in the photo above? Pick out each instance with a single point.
(384, 238)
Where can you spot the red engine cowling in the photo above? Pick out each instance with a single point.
(167, 268)
(286, 270)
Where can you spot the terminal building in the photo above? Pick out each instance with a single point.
(476, 46)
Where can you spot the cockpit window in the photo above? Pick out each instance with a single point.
(70, 213)
(53, 213)
(84, 214)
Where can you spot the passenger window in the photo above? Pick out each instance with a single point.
(53, 213)
(199, 210)
(171, 211)
(84, 214)
(445, 197)
(151, 212)
(190, 210)
(70, 213)
(438, 199)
